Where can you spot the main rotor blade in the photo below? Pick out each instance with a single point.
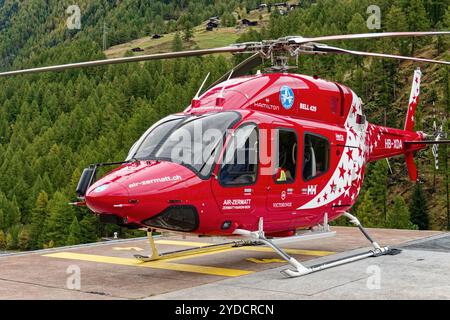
(336, 50)
(241, 69)
(428, 142)
(301, 40)
(170, 55)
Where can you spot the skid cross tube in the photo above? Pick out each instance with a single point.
(299, 269)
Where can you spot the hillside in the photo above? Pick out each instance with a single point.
(201, 39)
(53, 125)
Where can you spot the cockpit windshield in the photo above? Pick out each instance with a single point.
(193, 141)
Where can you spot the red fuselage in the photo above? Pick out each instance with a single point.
(313, 144)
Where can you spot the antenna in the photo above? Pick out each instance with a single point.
(195, 101)
(223, 88)
(221, 99)
(201, 87)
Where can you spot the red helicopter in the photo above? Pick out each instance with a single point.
(268, 157)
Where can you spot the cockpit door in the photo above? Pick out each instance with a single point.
(237, 186)
(284, 183)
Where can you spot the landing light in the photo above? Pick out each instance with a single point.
(101, 188)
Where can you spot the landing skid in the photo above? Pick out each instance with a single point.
(299, 269)
(186, 252)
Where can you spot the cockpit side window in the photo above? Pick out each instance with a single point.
(285, 162)
(240, 161)
(316, 155)
(197, 141)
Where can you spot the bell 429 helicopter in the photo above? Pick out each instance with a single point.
(270, 157)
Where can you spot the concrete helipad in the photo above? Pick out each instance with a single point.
(109, 271)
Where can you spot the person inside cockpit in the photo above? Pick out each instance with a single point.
(286, 157)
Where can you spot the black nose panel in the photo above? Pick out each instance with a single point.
(176, 218)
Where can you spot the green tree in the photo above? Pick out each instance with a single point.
(419, 208)
(11, 243)
(74, 233)
(177, 43)
(366, 211)
(11, 212)
(61, 215)
(395, 22)
(2, 240)
(38, 217)
(398, 215)
(88, 226)
(188, 33)
(417, 21)
(377, 185)
(12, 238)
(357, 25)
(24, 239)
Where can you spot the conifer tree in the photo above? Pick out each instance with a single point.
(366, 211)
(398, 216)
(377, 185)
(74, 233)
(12, 239)
(88, 226)
(419, 208)
(395, 22)
(38, 217)
(10, 242)
(2, 240)
(188, 33)
(24, 239)
(177, 43)
(417, 21)
(60, 217)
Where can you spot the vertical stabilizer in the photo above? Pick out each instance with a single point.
(413, 100)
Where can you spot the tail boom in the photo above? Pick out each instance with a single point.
(384, 142)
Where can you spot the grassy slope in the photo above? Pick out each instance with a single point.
(202, 39)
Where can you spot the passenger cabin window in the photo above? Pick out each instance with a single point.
(240, 162)
(285, 163)
(316, 155)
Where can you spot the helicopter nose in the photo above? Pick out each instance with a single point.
(107, 197)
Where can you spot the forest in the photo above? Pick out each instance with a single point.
(53, 125)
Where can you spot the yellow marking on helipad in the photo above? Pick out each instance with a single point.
(247, 248)
(128, 249)
(226, 272)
